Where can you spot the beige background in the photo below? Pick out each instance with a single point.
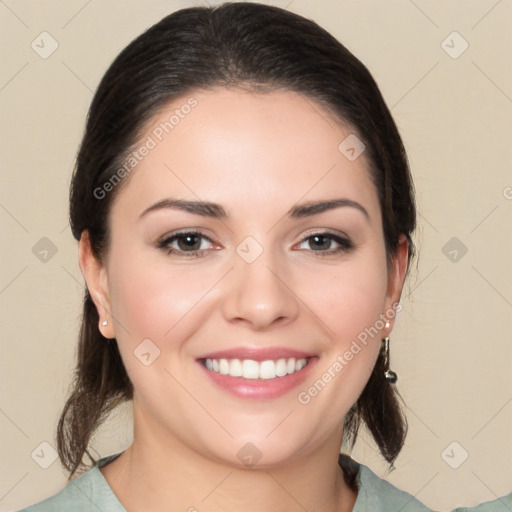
(451, 346)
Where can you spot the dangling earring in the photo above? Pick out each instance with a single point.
(389, 375)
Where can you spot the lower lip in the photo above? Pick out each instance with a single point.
(260, 388)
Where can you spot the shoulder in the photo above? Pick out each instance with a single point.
(376, 494)
(502, 504)
(88, 492)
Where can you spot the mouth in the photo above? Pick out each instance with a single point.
(251, 369)
(263, 374)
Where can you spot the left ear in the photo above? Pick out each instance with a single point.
(396, 276)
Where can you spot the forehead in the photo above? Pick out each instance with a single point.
(244, 148)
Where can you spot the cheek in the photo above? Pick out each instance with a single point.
(166, 306)
(150, 298)
(351, 297)
(349, 300)
(152, 302)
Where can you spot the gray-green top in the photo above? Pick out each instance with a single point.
(91, 492)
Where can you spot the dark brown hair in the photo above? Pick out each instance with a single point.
(257, 48)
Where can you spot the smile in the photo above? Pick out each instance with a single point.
(250, 369)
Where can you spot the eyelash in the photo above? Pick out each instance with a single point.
(345, 244)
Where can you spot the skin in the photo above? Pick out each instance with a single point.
(257, 155)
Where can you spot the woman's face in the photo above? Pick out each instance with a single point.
(259, 276)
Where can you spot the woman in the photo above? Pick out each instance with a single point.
(244, 211)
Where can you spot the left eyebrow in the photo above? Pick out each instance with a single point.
(316, 207)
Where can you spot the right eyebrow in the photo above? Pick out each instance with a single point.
(204, 208)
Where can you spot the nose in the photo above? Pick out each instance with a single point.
(259, 294)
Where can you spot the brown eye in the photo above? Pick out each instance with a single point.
(320, 242)
(189, 244)
(327, 243)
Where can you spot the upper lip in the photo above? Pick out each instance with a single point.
(257, 354)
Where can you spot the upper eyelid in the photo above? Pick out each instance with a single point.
(325, 231)
(185, 232)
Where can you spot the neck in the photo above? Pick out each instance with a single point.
(155, 473)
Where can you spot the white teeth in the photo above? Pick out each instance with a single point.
(235, 368)
(281, 368)
(223, 367)
(250, 369)
(267, 370)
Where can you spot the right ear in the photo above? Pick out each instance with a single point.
(95, 275)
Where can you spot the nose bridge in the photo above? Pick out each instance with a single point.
(257, 292)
